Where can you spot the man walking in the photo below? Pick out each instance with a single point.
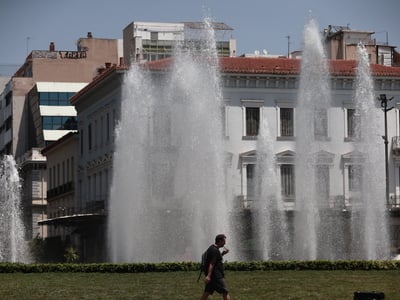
(215, 269)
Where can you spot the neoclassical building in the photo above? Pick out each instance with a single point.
(253, 89)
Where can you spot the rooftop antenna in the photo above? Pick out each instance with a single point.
(27, 45)
(288, 45)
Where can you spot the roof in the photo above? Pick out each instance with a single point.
(96, 80)
(280, 66)
(61, 140)
(202, 25)
(259, 65)
(250, 65)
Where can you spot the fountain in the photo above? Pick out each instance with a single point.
(316, 230)
(270, 220)
(13, 247)
(168, 197)
(168, 192)
(311, 138)
(369, 227)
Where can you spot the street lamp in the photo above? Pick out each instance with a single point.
(384, 101)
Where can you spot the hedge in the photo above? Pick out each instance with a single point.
(6, 267)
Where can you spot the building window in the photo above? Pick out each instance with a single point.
(114, 122)
(252, 117)
(353, 124)
(89, 188)
(286, 122)
(55, 98)
(322, 181)
(250, 176)
(320, 123)
(68, 174)
(72, 169)
(248, 166)
(50, 179)
(54, 177)
(95, 191)
(108, 127)
(59, 123)
(252, 121)
(8, 123)
(287, 181)
(58, 175)
(63, 172)
(106, 184)
(225, 114)
(8, 98)
(355, 178)
(96, 134)
(101, 131)
(90, 137)
(81, 136)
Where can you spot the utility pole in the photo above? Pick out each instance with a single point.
(382, 98)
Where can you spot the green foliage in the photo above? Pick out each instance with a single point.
(49, 250)
(71, 255)
(319, 265)
(37, 249)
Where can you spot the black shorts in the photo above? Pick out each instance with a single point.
(218, 285)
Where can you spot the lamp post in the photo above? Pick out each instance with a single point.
(384, 101)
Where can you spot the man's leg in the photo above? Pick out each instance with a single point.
(226, 296)
(205, 296)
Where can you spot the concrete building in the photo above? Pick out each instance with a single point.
(341, 43)
(61, 173)
(149, 41)
(32, 166)
(98, 108)
(35, 111)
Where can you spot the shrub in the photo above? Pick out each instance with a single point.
(6, 267)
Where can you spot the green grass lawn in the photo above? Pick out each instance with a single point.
(182, 285)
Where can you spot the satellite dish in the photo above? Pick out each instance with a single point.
(257, 52)
(265, 52)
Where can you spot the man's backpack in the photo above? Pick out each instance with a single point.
(203, 265)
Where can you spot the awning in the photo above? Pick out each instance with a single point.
(74, 220)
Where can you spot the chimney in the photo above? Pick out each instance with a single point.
(89, 35)
(52, 47)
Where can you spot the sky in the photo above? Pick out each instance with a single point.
(27, 25)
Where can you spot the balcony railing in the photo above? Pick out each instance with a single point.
(394, 202)
(396, 145)
(59, 190)
(338, 202)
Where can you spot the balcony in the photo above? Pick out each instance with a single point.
(244, 202)
(62, 189)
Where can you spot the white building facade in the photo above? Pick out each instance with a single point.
(254, 89)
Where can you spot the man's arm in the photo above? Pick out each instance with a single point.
(209, 272)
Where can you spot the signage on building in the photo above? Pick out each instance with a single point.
(72, 54)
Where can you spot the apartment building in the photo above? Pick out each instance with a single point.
(149, 41)
(341, 43)
(35, 111)
(60, 165)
